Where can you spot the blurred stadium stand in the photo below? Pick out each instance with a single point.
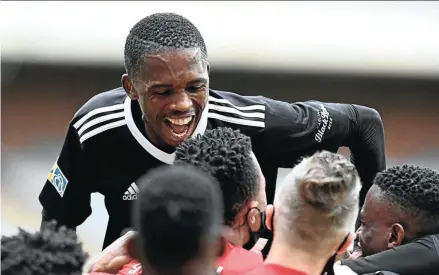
(56, 55)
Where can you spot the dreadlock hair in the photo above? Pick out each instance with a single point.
(49, 251)
(160, 32)
(415, 190)
(226, 155)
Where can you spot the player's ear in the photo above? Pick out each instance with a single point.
(396, 235)
(269, 212)
(208, 68)
(128, 86)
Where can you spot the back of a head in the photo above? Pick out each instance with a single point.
(226, 155)
(318, 201)
(413, 191)
(47, 252)
(179, 209)
(157, 33)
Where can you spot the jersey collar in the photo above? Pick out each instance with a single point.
(147, 145)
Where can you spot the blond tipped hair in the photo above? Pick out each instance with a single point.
(318, 201)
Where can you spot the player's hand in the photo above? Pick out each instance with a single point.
(113, 258)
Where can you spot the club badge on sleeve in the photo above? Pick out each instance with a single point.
(58, 180)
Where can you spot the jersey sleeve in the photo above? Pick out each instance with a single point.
(301, 128)
(417, 257)
(65, 196)
(298, 129)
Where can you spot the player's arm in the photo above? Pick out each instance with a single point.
(65, 196)
(296, 129)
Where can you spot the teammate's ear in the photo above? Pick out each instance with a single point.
(129, 87)
(208, 68)
(396, 235)
(269, 212)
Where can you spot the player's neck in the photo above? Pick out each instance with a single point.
(295, 258)
(151, 137)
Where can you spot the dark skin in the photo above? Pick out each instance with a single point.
(381, 224)
(170, 86)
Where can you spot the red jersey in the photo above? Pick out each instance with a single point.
(237, 260)
(275, 269)
(234, 261)
(131, 268)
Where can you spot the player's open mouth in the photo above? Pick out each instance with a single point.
(180, 128)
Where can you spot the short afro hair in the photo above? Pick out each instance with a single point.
(416, 191)
(160, 32)
(47, 252)
(226, 155)
(178, 207)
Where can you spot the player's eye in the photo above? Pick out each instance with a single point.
(196, 88)
(162, 92)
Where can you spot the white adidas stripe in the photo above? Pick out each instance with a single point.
(237, 120)
(246, 108)
(102, 129)
(134, 186)
(97, 111)
(99, 120)
(132, 190)
(235, 111)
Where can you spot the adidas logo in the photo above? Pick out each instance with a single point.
(131, 193)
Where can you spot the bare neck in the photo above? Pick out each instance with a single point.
(295, 258)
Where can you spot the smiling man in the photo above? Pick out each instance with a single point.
(165, 98)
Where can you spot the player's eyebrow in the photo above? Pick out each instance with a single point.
(159, 86)
(198, 80)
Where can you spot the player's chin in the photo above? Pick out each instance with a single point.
(175, 138)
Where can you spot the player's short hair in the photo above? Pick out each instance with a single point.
(178, 207)
(319, 200)
(160, 32)
(226, 155)
(415, 190)
(48, 251)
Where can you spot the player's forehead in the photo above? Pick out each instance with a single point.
(174, 65)
(375, 206)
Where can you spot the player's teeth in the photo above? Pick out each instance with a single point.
(180, 121)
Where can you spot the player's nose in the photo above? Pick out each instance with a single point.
(181, 103)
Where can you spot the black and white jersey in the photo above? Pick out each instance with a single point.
(106, 148)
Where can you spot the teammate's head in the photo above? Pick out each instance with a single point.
(49, 251)
(317, 205)
(227, 155)
(178, 215)
(401, 205)
(167, 72)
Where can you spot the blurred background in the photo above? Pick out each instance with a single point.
(56, 55)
